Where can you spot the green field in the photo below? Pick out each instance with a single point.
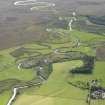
(9, 69)
(4, 97)
(55, 90)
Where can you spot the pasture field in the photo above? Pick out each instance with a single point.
(51, 52)
(5, 97)
(9, 69)
(59, 53)
(57, 91)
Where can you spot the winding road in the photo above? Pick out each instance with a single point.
(15, 90)
(34, 2)
(72, 20)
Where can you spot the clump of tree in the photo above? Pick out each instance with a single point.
(87, 68)
(44, 72)
(100, 20)
(96, 91)
(79, 84)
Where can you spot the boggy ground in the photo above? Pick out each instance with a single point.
(19, 25)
